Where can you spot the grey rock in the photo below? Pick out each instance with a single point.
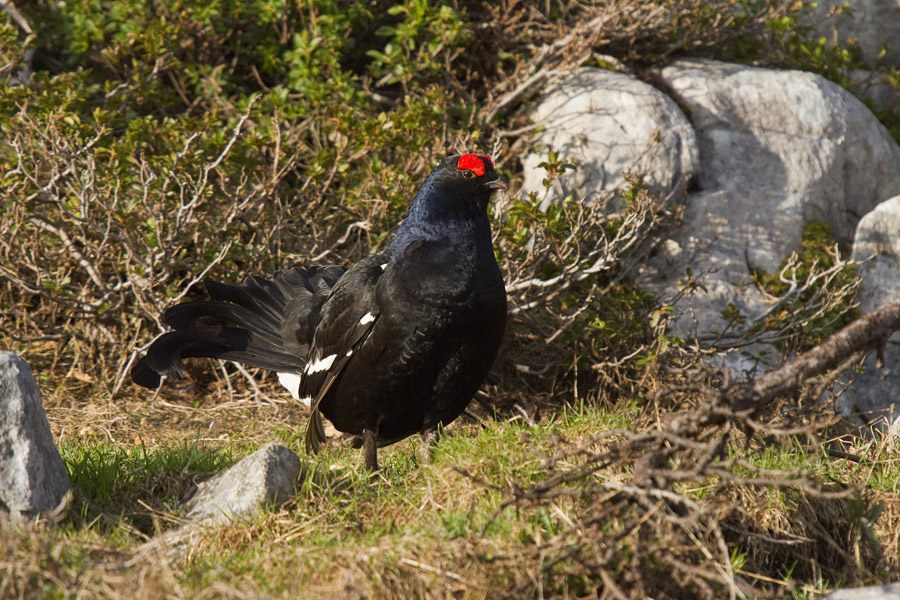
(785, 147)
(890, 591)
(875, 393)
(265, 478)
(877, 248)
(608, 123)
(33, 477)
(777, 149)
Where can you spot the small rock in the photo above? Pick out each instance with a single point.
(890, 591)
(266, 477)
(877, 246)
(33, 477)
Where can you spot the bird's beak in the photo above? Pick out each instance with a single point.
(497, 184)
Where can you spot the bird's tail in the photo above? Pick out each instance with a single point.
(259, 323)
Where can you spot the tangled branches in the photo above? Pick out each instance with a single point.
(666, 531)
(811, 299)
(596, 242)
(546, 47)
(570, 272)
(84, 246)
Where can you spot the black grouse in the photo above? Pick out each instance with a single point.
(394, 346)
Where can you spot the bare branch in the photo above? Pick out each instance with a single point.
(870, 332)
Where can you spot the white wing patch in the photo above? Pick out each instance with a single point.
(292, 382)
(321, 365)
(384, 266)
(367, 318)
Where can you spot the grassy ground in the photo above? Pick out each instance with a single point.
(455, 520)
(420, 526)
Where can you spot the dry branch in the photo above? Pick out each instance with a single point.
(869, 332)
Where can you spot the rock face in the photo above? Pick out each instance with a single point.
(33, 478)
(777, 150)
(768, 151)
(608, 123)
(266, 477)
(877, 248)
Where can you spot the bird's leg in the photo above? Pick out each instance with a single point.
(429, 439)
(370, 449)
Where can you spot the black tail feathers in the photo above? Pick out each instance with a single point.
(259, 323)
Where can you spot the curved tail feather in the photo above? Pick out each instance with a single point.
(259, 323)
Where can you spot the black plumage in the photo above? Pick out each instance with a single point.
(396, 345)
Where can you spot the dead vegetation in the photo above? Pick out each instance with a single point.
(654, 537)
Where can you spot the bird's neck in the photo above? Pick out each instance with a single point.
(467, 234)
(440, 214)
(434, 206)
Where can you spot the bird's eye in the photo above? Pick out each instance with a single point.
(467, 173)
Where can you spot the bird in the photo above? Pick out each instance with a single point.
(397, 344)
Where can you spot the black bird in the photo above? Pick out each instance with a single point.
(396, 345)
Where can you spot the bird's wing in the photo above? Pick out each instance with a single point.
(346, 320)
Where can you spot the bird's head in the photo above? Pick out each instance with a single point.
(461, 186)
(471, 176)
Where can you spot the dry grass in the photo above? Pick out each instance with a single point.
(177, 414)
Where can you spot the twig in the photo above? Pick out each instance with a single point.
(16, 15)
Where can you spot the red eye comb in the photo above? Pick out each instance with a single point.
(474, 163)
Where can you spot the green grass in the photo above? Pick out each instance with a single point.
(411, 515)
(426, 525)
(110, 479)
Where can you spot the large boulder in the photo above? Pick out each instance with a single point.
(33, 477)
(608, 123)
(777, 149)
(785, 147)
